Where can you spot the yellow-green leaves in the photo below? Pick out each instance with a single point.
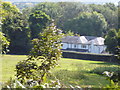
(4, 43)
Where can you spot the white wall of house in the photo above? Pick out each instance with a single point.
(74, 46)
(97, 49)
(91, 47)
(64, 45)
(84, 46)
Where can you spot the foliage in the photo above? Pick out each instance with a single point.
(111, 41)
(46, 50)
(38, 20)
(100, 70)
(15, 27)
(93, 24)
(112, 75)
(112, 86)
(90, 56)
(109, 11)
(69, 33)
(113, 78)
(7, 8)
(27, 71)
(4, 43)
(118, 46)
(98, 20)
(61, 13)
(16, 30)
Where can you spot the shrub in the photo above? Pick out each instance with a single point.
(114, 79)
(46, 51)
(90, 56)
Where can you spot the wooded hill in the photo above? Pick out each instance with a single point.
(79, 17)
(71, 17)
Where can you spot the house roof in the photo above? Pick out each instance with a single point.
(98, 41)
(90, 37)
(74, 39)
(83, 40)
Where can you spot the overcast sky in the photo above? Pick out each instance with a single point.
(66, 0)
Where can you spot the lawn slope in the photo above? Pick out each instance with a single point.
(69, 72)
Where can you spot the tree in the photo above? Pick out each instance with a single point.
(92, 24)
(61, 11)
(111, 41)
(118, 46)
(109, 11)
(69, 33)
(4, 43)
(7, 8)
(38, 20)
(44, 55)
(111, 6)
(15, 27)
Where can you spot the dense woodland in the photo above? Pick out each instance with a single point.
(20, 27)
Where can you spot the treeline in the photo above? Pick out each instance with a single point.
(79, 17)
(84, 19)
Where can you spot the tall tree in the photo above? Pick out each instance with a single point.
(6, 8)
(62, 11)
(86, 23)
(118, 47)
(109, 11)
(16, 29)
(38, 20)
(111, 41)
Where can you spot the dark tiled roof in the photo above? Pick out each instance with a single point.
(83, 40)
(90, 37)
(74, 39)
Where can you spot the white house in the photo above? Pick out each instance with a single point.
(89, 44)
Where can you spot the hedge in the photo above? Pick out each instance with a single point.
(90, 56)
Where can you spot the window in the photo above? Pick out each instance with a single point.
(75, 46)
(83, 46)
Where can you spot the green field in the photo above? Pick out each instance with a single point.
(69, 72)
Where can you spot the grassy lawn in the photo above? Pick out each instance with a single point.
(69, 72)
(8, 65)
